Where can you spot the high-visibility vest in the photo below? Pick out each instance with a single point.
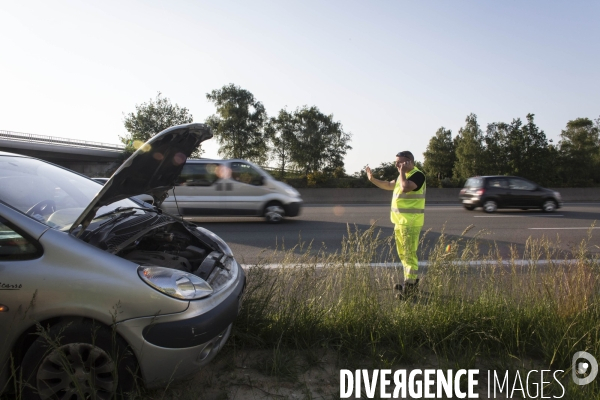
(408, 208)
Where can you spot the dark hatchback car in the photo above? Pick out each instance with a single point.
(494, 192)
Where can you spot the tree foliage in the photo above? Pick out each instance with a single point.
(517, 149)
(238, 124)
(280, 131)
(529, 151)
(469, 150)
(440, 157)
(151, 118)
(320, 143)
(579, 149)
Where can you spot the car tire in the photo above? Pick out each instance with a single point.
(549, 206)
(490, 206)
(274, 212)
(469, 207)
(79, 359)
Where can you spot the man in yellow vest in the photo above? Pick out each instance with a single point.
(407, 215)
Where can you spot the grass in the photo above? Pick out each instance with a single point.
(509, 314)
(474, 310)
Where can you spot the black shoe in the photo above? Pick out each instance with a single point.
(408, 290)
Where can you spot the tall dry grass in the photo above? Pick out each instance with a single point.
(472, 309)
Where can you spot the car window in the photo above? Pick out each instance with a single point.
(521, 184)
(199, 174)
(15, 246)
(497, 183)
(245, 173)
(474, 183)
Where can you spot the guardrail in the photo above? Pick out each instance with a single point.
(30, 137)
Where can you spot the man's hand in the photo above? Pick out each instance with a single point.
(406, 166)
(369, 173)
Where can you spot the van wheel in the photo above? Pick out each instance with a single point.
(78, 360)
(274, 212)
(549, 206)
(490, 206)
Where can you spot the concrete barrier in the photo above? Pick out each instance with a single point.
(433, 195)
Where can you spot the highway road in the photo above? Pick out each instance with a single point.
(326, 225)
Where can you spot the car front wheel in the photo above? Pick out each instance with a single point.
(490, 206)
(78, 360)
(274, 212)
(549, 206)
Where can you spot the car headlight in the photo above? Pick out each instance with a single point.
(292, 192)
(220, 242)
(557, 195)
(174, 283)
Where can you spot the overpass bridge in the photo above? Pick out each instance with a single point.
(86, 157)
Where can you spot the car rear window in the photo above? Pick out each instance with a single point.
(474, 183)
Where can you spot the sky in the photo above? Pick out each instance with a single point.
(392, 72)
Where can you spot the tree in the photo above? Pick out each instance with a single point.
(281, 133)
(469, 150)
(516, 149)
(579, 148)
(151, 118)
(440, 155)
(495, 150)
(238, 124)
(320, 144)
(529, 151)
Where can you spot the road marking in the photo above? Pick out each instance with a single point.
(517, 216)
(521, 263)
(589, 227)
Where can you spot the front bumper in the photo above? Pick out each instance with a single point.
(171, 347)
(292, 209)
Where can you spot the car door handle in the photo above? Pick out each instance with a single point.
(229, 186)
(219, 187)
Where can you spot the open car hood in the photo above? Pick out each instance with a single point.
(152, 169)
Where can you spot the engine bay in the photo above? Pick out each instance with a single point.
(160, 240)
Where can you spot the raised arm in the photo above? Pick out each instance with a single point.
(379, 183)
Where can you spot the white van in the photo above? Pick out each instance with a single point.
(230, 188)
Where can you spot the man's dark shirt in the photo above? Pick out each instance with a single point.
(418, 178)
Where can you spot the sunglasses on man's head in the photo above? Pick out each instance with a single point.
(405, 154)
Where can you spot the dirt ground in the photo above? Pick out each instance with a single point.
(269, 374)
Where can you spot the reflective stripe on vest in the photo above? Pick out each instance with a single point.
(408, 208)
(409, 196)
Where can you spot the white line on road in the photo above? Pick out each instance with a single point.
(521, 263)
(592, 227)
(517, 216)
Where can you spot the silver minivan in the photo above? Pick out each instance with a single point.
(98, 290)
(230, 188)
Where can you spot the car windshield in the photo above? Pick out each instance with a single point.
(50, 194)
(262, 171)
